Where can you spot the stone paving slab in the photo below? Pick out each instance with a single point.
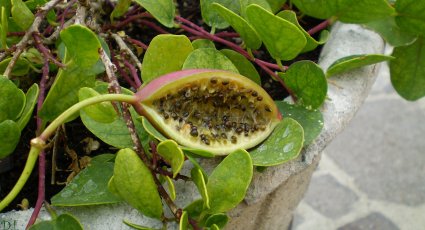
(372, 176)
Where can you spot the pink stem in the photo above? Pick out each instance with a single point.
(137, 43)
(133, 72)
(319, 27)
(153, 26)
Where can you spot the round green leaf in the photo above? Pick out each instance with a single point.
(161, 10)
(31, 99)
(166, 53)
(275, 5)
(170, 151)
(89, 187)
(212, 18)
(310, 120)
(62, 222)
(229, 181)
(208, 58)
(283, 40)
(322, 9)
(391, 32)
(200, 182)
(244, 66)
(135, 184)
(410, 16)
(21, 67)
(184, 221)
(202, 43)
(219, 219)
(362, 11)
(9, 137)
(12, 101)
(244, 29)
(195, 208)
(408, 70)
(308, 82)
(263, 3)
(355, 61)
(284, 144)
(102, 112)
(120, 9)
(21, 14)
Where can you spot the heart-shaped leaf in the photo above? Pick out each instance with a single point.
(170, 151)
(308, 82)
(161, 10)
(12, 102)
(166, 54)
(208, 58)
(241, 26)
(355, 61)
(391, 32)
(284, 144)
(202, 43)
(310, 120)
(229, 181)
(408, 70)
(90, 186)
(283, 39)
(410, 16)
(134, 182)
(362, 11)
(9, 137)
(263, 3)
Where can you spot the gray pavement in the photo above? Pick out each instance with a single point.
(372, 176)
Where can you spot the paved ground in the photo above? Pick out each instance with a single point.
(372, 176)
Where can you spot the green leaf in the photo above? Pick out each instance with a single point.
(214, 227)
(355, 61)
(184, 221)
(245, 30)
(408, 70)
(9, 137)
(391, 32)
(12, 101)
(81, 56)
(229, 181)
(308, 82)
(62, 222)
(21, 14)
(310, 120)
(89, 187)
(4, 26)
(161, 10)
(244, 66)
(410, 16)
(120, 9)
(362, 11)
(102, 112)
(212, 18)
(197, 152)
(171, 153)
(31, 99)
(202, 43)
(135, 183)
(195, 208)
(284, 144)
(199, 180)
(245, 3)
(115, 133)
(136, 226)
(166, 54)
(322, 9)
(276, 5)
(208, 58)
(171, 188)
(219, 219)
(290, 16)
(21, 67)
(283, 40)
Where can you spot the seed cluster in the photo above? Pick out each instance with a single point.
(215, 110)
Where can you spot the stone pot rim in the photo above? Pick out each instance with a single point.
(346, 93)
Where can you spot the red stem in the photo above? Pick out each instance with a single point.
(133, 72)
(319, 27)
(124, 74)
(153, 26)
(46, 52)
(137, 43)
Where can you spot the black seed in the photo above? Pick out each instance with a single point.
(254, 93)
(194, 132)
(203, 136)
(213, 80)
(225, 118)
(243, 108)
(217, 127)
(246, 133)
(166, 116)
(187, 93)
(247, 127)
(206, 141)
(259, 98)
(234, 139)
(267, 109)
(228, 124)
(180, 119)
(223, 135)
(225, 82)
(185, 114)
(197, 115)
(174, 115)
(239, 130)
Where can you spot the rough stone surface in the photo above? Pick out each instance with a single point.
(373, 221)
(346, 94)
(332, 203)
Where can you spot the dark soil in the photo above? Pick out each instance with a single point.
(76, 131)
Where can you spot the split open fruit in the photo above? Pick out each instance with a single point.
(213, 110)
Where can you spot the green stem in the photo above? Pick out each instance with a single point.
(38, 143)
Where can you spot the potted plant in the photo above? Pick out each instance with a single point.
(194, 96)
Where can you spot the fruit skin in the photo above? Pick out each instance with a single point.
(145, 94)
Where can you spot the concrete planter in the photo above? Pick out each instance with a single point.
(274, 193)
